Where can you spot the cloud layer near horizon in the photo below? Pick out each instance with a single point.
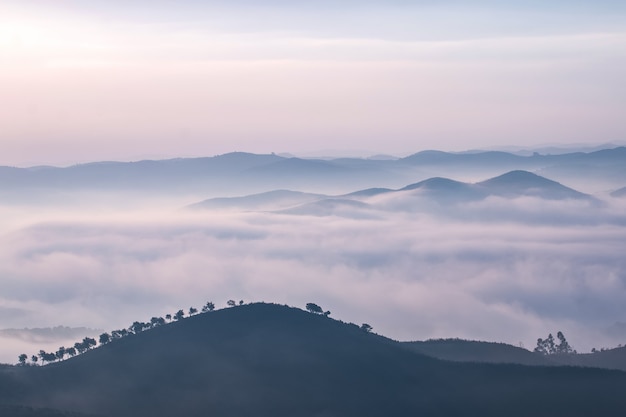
(410, 275)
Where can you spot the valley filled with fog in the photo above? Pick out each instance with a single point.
(485, 246)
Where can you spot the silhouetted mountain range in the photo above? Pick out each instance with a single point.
(244, 172)
(272, 360)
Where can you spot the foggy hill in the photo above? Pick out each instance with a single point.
(496, 158)
(271, 360)
(327, 207)
(607, 166)
(368, 192)
(619, 193)
(271, 200)
(519, 183)
(444, 189)
(438, 190)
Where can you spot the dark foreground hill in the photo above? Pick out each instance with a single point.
(270, 360)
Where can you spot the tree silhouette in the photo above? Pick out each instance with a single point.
(314, 308)
(179, 315)
(118, 334)
(71, 351)
(34, 359)
(192, 311)
(366, 328)
(168, 317)
(22, 358)
(104, 338)
(240, 302)
(80, 347)
(231, 303)
(137, 327)
(548, 347)
(46, 357)
(563, 346)
(60, 353)
(157, 321)
(208, 307)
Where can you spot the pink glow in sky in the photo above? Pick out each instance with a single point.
(167, 79)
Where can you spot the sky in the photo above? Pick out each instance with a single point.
(99, 80)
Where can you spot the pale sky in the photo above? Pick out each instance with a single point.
(95, 80)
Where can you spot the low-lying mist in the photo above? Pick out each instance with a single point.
(496, 269)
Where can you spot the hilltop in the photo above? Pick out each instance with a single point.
(416, 196)
(272, 360)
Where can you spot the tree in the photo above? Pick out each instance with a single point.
(157, 321)
(192, 311)
(60, 353)
(209, 306)
(42, 355)
(137, 327)
(71, 351)
(179, 315)
(314, 308)
(366, 328)
(326, 313)
(548, 347)
(104, 338)
(22, 358)
(551, 348)
(80, 347)
(563, 346)
(541, 347)
(46, 357)
(240, 302)
(168, 317)
(118, 334)
(85, 345)
(231, 303)
(34, 359)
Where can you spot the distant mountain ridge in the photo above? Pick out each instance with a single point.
(254, 173)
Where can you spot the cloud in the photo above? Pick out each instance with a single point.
(411, 275)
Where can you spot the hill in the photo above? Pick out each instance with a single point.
(436, 190)
(271, 360)
(271, 200)
(518, 183)
(477, 351)
(619, 193)
(490, 352)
